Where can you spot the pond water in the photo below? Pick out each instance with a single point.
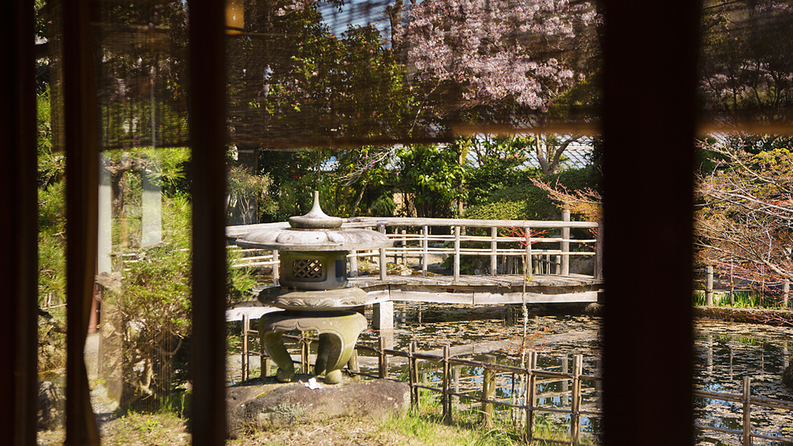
(724, 353)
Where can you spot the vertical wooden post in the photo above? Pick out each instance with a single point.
(404, 243)
(747, 411)
(709, 285)
(575, 410)
(565, 245)
(383, 267)
(413, 376)
(245, 368)
(786, 293)
(397, 243)
(19, 204)
(382, 363)
(80, 138)
(354, 263)
(304, 352)
(599, 253)
(208, 137)
(276, 268)
(493, 250)
(732, 284)
(456, 253)
(565, 384)
(265, 358)
(643, 44)
(531, 380)
(446, 399)
(529, 267)
(488, 392)
(425, 249)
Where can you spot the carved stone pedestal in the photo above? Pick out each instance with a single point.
(338, 332)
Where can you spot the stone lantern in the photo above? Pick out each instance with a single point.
(313, 292)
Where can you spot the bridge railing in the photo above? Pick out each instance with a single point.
(547, 245)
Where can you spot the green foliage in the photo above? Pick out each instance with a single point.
(165, 167)
(499, 164)
(525, 201)
(432, 178)
(315, 84)
(155, 306)
(294, 176)
(51, 166)
(247, 192)
(52, 245)
(362, 182)
(155, 303)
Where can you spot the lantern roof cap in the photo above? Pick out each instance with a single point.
(315, 219)
(314, 231)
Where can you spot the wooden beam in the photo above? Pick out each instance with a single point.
(18, 235)
(208, 186)
(650, 75)
(81, 142)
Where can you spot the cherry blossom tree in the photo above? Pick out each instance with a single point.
(746, 69)
(499, 62)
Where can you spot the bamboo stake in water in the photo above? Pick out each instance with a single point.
(575, 410)
(446, 399)
(747, 409)
(383, 362)
(530, 382)
(488, 391)
(245, 368)
(413, 376)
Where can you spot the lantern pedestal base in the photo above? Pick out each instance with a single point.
(338, 332)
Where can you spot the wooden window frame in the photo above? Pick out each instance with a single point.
(649, 124)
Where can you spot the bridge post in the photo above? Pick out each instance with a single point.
(425, 249)
(494, 250)
(565, 248)
(599, 253)
(404, 243)
(528, 269)
(709, 285)
(276, 268)
(383, 315)
(383, 267)
(456, 253)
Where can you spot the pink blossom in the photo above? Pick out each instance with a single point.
(473, 43)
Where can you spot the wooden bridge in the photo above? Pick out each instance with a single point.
(412, 266)
(483, 290)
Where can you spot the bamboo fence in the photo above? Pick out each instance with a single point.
(485, 395)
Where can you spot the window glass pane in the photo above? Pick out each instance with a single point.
(743, 208)
(381, 72)
(138, 343)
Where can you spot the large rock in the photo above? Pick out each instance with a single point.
(264, 406)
